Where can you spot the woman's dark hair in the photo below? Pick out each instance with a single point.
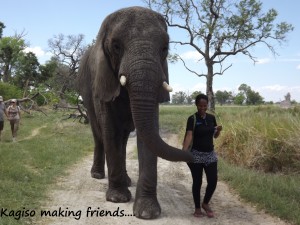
(199, 97)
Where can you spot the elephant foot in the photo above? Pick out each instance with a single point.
(146, 208)
(97, 175)
(118, 195)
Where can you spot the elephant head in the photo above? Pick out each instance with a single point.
(131, 53)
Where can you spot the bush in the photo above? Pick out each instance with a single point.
(8, 91)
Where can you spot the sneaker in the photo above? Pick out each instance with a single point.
(14, 139)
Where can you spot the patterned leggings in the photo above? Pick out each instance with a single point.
(211, 172)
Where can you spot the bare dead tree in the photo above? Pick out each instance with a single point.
(68, 51)
(28, 103)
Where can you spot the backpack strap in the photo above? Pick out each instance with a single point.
(191, 144)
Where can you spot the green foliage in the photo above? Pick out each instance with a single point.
(9, 91)
(179, 97)
(11, 49)
(251, 97)
(27, 72)
(223, 96)
(239, 99)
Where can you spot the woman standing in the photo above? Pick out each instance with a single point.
(2, 112)
(200, 130)
(14, 117)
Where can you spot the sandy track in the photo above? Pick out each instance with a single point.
(78, 192)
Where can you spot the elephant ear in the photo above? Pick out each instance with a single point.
(106, 86)
(164, 95)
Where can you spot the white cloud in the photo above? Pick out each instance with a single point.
(264, 61)
(38, 51)
(277, 92)
(275, 87)
(197, 87)
(191, 55)
(298, 67)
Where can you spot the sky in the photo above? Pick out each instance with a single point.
(272, 76)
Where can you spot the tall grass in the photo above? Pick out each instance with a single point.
(264, 138)
(46, 146)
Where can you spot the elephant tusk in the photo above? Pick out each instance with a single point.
(123, 80)
(167, 87)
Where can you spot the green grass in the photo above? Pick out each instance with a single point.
(29, 166)
(276, 194)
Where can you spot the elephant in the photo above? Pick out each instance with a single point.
(122, 78)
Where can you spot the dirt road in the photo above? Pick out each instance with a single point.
(75, 197)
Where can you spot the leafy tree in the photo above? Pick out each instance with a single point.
(47, 72)
(251, 97)
(179, 97)
(189, 99)
(194, 94)
(223, 96)
(217, 29)
(11, 48)
(239, 99)
(27, 72)
(254, 98)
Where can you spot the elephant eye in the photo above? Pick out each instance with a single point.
(165, 52)
(116, 47)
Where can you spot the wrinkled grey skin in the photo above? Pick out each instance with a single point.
(132, 42)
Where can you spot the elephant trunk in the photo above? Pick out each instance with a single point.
(145, 116)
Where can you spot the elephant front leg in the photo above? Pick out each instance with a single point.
(117, 177)
(146, 205)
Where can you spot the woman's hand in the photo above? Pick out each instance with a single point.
(217, 131)
(218, 128)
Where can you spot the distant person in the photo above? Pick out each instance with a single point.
(14, 116)
(2, 112)
(199, 140)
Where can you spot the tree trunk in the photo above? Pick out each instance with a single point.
(25, 88)
(6, 73)
(209, 88)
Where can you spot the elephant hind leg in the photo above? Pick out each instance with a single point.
(98, 167)
(97, 170)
